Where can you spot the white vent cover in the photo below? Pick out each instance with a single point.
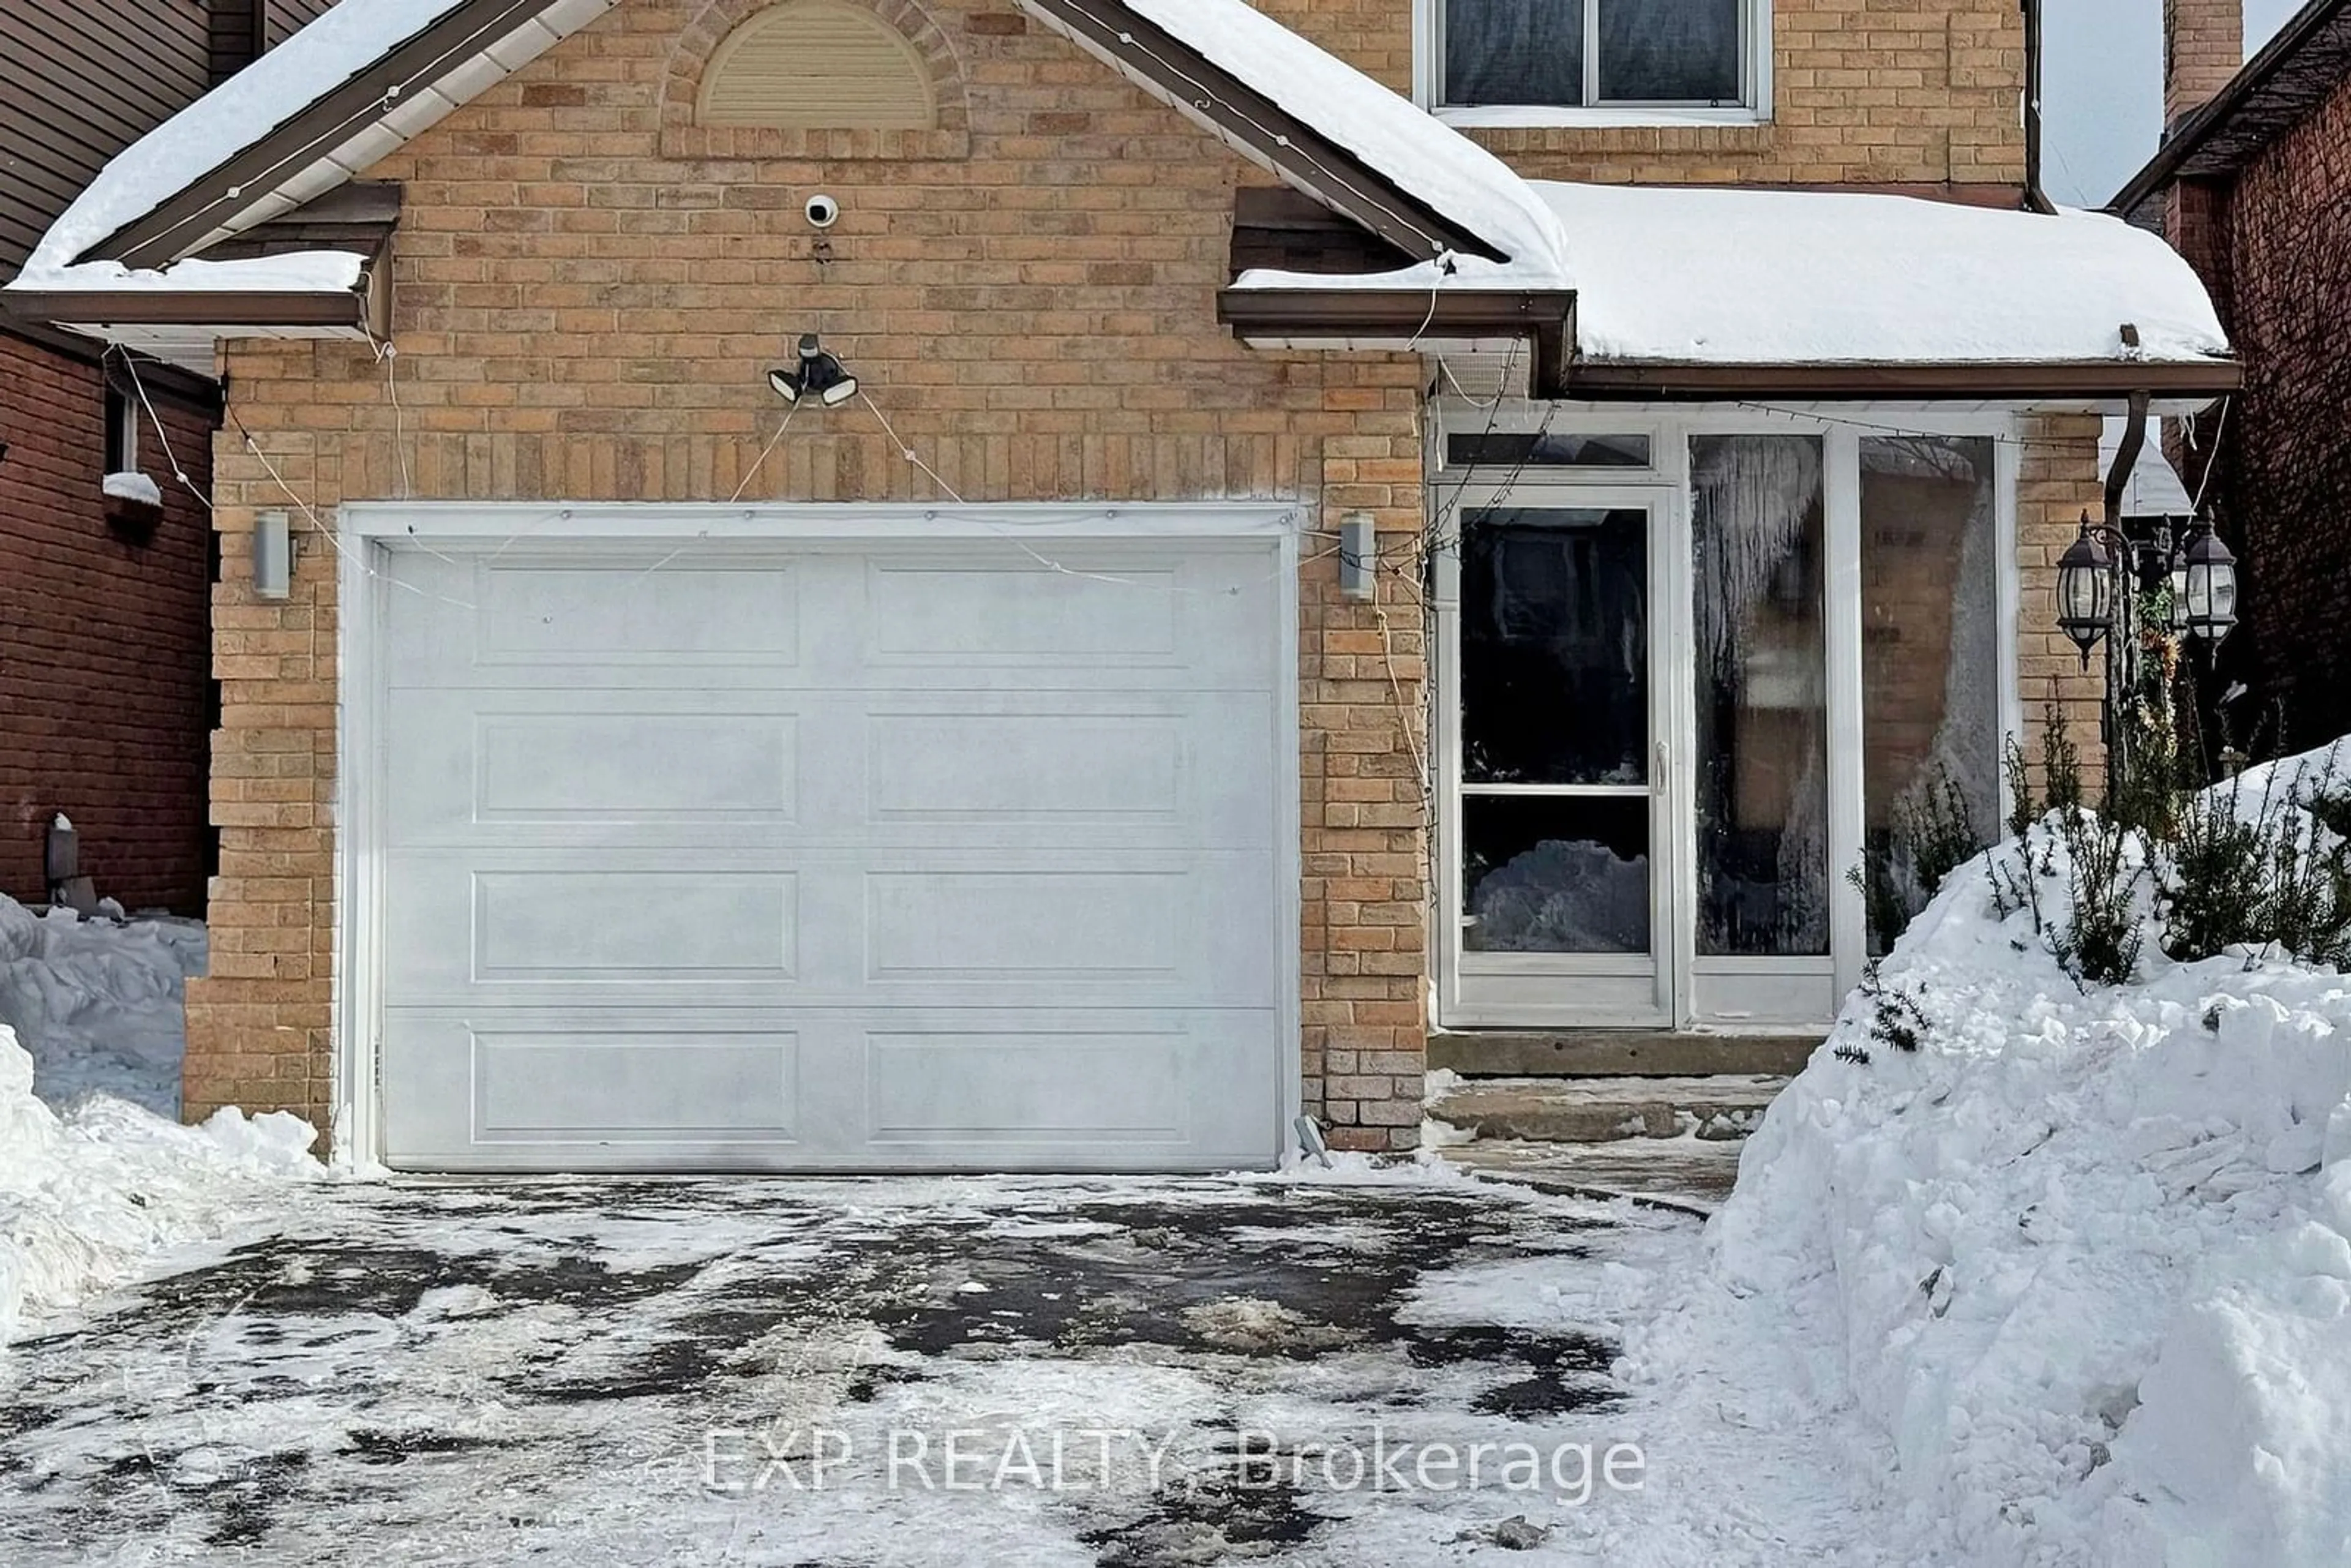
(818, 65)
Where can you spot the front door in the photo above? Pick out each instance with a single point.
(1558, 889)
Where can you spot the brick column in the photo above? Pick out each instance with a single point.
(2057, 481)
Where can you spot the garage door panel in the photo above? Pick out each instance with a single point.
(848, 1088)
(535, 617)
(907, 927)
(606, 611)
(452, 930)
(976, 1084)
(503, 764)
(1136, 1089)
(1026, 925)
(1016, 611)
(525, 1082)
(1138, 771)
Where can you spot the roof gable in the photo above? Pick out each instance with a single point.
(367, 75)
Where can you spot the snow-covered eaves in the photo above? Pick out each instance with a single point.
(1693, 292)
(176, 312)
(1324, 128)
(337, 97)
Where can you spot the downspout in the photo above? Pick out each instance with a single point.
(2127, 450)
(2122, 642)
(2036, 200)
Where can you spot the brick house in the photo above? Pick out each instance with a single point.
(2253, 186)
(104, 707)
(1301, 527)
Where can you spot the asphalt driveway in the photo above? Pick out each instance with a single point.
(894, 1371)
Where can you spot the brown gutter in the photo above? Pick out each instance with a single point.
(1986, 382)
(188, 307)
(1546, 316)
(2198, 127)
(165, 234)
(1302, 154)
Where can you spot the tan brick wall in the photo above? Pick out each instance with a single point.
(2057, 481)
(578, 316)
(1864, 92)
(2203, 46)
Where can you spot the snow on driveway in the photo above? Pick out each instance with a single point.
(1017, 1371)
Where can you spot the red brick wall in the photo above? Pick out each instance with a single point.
(2282, 485)
(104, 644)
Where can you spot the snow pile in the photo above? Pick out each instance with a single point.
(86, 1197)
(2075, 1276)
(133, 485)
(89, 1191)
(97, 1003)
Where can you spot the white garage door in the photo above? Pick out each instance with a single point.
(732, 854)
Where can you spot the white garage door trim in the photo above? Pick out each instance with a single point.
(368, 582)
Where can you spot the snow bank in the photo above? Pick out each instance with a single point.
(97, 1004)
(2077, 1273)
(89, 1191)
(88, 1196)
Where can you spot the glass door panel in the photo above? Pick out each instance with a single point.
(1555, 874)
(1758, 530)
(1931, 637)
(1554, 891)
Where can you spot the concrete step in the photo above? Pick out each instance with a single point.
(1688, 1172)
(1617, 1052)
(1720, 1107)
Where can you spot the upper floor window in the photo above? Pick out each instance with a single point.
(1598, 54)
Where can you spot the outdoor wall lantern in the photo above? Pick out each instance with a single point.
(819, 375)
(2206, 603)
(2085, 589)
(2101, 569)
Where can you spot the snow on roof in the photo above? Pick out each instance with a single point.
(345, 39)
(1681, 274)
(1740, 276)
(1392, 135)
(290, 272)
(2154, 489)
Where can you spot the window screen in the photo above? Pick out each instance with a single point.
(1669, 50)
(1514, 51)
(1565, 53)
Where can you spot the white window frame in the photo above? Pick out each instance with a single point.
(1777, 994)
(121, 408)
(1428, 82)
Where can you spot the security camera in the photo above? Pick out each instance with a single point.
(822, 210)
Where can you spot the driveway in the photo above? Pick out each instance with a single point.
(895, 1371)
